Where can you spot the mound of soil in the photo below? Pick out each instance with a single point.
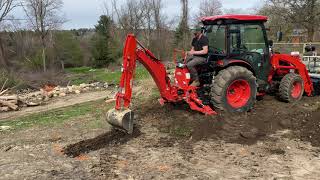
(268, 116)
(112, 138)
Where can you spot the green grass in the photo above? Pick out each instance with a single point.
(59, 116)
(86, 75)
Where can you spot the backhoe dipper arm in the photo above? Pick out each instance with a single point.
(131, 54)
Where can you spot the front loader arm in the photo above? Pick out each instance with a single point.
(291, 63)
(131, 54)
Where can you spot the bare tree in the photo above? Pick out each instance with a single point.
(146, 19)
(209, 8)
(44, 16)
(185, 14)
(299, 12)
(130, 16)
(6, 6)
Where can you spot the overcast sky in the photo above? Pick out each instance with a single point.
(85, 13)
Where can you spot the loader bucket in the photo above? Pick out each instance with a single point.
(121, 119)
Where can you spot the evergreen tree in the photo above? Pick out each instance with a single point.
(101, 43)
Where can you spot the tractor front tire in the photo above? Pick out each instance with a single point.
(291, 88)
(234, 89)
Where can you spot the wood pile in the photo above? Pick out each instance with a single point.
(13, 102)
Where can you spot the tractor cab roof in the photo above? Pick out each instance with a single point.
(232, 18)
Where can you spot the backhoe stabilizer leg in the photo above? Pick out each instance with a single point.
(121, 119)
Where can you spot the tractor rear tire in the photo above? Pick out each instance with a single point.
(234, 89)
(291, 88)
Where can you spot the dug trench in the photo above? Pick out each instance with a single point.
(173, 135)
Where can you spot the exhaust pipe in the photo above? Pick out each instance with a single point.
(121, 119)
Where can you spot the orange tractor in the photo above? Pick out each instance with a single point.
(240, 67)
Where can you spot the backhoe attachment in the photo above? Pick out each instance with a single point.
(121, 116)
(122, 119)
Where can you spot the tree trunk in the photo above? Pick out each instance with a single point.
(311, 33)
(43, 43)
(3, 59)
(62, 65)
(44, 60)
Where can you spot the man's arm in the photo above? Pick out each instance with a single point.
(204, 51)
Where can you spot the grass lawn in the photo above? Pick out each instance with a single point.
(87, 74)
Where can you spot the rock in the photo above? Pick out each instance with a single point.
(250, 134)
(70, 89)
(62, 94)
(33, 103)
(94, 84)
(5, 128)
(64, 90)
(77, 91)
(83, 85)
(284, 123)
(86, 89)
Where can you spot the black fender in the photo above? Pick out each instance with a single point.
(222, 64)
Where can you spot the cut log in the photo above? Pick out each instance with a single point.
(13, 101)
(10, 105)
(6, 98)
(4, 109)
(4, 91)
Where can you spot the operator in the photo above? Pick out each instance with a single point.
(197, 55)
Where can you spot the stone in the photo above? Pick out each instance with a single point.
(5, 128)
(62, 94)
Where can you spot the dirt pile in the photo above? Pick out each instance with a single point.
(112, 138)
(268, 117)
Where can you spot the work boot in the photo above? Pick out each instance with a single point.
(195, 83)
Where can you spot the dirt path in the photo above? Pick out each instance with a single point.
(56, 103)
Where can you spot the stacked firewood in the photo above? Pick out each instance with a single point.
(13, 102)
(8, 103)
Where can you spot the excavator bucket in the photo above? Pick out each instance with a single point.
(121, 119)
